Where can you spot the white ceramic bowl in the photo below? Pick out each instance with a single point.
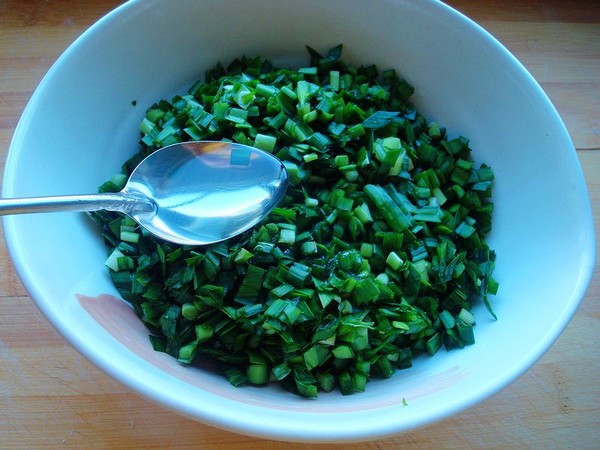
(80, 125)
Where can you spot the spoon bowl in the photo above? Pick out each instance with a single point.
(205, 192)
(190, 193)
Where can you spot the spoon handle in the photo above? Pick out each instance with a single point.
(92, 202)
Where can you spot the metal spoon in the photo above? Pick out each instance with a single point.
(192, 193)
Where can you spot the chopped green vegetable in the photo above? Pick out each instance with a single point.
(375, 256)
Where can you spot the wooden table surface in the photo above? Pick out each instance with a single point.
(50, 396)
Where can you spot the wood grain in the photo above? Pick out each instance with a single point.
(52, 397)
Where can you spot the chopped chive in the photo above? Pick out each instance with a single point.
(265, 142)
(257, 373)
(374, 255)
(394, 261)
(390, 212)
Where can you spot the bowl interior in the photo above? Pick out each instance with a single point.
(82, 123)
